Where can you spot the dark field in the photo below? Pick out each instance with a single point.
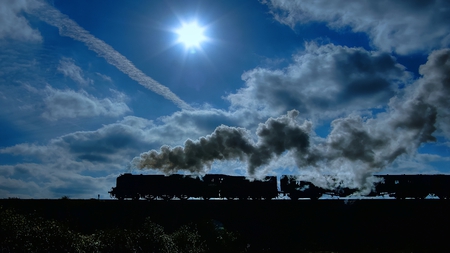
(271, 226)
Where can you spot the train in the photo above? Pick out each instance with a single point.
(219, 186)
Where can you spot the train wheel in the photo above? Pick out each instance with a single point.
(150, 197)
(166, 196)
(230, 198)
(120, 198)
(267, 198)
(136, 197)
(206, 198)
(183, 197)
(293, 197)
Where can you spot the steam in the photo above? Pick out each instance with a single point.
(358, 147)
(69, 28)
(355, 149)
(226, 143)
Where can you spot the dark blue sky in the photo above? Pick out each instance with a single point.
(86, 87)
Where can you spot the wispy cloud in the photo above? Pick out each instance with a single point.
(70, 104)
(69, 28)
(68, 68)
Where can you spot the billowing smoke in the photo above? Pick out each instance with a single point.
(226, 143)
(358, 147)
(355, 148)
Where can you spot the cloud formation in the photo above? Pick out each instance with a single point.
(71, 104)
(400, 26)
(323, 82)
(68, 68)
(13, 25)
(364, 146)
(69, 28)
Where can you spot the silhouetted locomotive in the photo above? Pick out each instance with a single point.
(182, 187)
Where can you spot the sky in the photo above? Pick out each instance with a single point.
(90, 90)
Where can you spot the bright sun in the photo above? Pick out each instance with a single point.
(191, 35)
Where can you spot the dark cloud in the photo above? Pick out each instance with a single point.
(400, 26)
(365, 146)
(323, 82)
(434, 87)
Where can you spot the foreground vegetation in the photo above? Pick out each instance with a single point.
(29, 233)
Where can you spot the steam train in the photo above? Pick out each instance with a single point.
(182, 187)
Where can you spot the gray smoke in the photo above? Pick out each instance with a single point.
(226, 143)
(365, 146)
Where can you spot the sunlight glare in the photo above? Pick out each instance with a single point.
(191, 35)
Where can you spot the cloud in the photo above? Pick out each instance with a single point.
(30, 180)
(323, 82)
(70, 104)
(68, 68)
(13, 25)
(110, 144)
(356, 147)
(69, 28)
(104, 77)
(401, 26)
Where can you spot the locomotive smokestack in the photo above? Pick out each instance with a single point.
(227, 143)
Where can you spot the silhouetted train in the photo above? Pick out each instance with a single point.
(182, 187)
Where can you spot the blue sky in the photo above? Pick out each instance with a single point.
(93, 89)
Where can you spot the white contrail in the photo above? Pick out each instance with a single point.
(69, 28)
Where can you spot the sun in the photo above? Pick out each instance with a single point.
(191, 35)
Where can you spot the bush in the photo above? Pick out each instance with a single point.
(28, 233)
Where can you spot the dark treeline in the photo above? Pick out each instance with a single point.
(340, 226)
(32, 233)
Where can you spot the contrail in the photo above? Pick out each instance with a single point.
(69, 28)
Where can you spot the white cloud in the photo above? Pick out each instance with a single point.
(12, 23)
(68, 68)
(104, 77)
(401, 26)
(71, 104)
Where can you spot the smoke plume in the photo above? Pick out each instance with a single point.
(69, 28)
(226, 143)
(361, 147)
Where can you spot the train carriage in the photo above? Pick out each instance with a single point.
(182, 187)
